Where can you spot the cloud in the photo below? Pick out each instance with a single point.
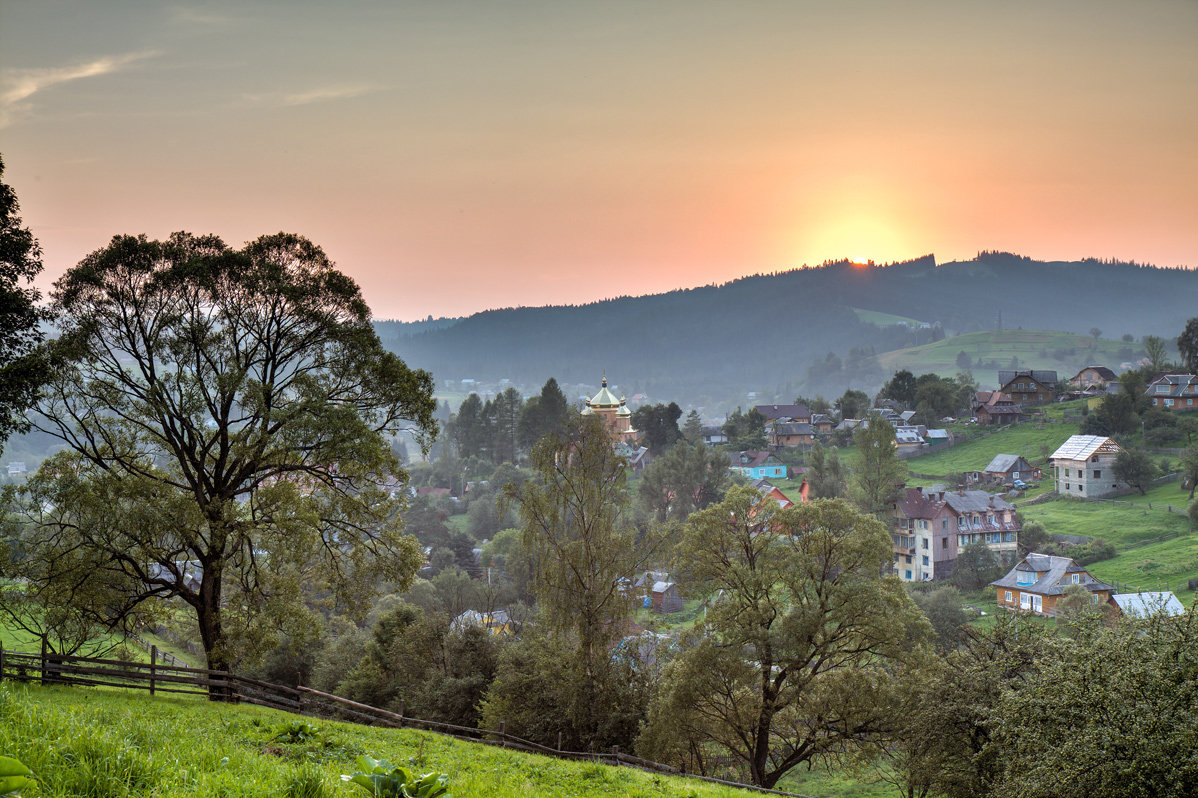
(21, 84)
(316, 95)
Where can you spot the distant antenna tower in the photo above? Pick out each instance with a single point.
(1000, 319)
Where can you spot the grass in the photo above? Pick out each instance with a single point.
(974, 455)
(1036, 349)
(1143, 560)
(83, 743)
(884, 319)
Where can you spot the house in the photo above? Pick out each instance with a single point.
(906, 416)
(1174, 391)
(495, 622)
(1085, 467)
(1147, 604)
(822, 423)
(909, 440)
(1029, 387)
(789, 433)
(648, 578)
(638, 457)
(937, 438)
(1099, 377)
(932, 526)
(1004, 469)
(757, 465)
(785, 413)
(994, 407)
(665, 597)
(713, 435)
(16, 468)
(768, 490)
(848, 425)
(1039, 581)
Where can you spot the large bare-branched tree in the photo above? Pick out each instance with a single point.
(225, 416)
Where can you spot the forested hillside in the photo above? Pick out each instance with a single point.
(763, 333)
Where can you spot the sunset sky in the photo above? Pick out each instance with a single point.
(459, 156)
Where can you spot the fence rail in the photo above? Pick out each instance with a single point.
(159, 676)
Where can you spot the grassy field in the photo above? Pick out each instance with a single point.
(884, 319)
(1036, 349)
(83, 742)
(1143, 560)
(16, 639)
(974, 455)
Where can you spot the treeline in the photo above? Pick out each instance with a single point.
(760, 333)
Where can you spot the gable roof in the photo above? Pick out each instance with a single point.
(1101, 371)
(1054, 569)
(1177, 384)
(1044, 377)
(661, 587)
(773, 412)
(975, 501)
(1082, 447)
(1002, 463)
(752, 459)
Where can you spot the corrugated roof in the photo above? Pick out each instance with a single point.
(975, 501)
(1148, 604)
(1054, 569)
(1002, 463)
(772, 412)
(1082, 447)
(1045, 377)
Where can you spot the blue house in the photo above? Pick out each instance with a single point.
(757, 465)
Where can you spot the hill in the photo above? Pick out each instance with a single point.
(1064, 353)
(82, 741)
(801, 331)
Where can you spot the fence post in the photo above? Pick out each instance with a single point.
(153, 663)
(559, 736)
(403, 709)
(502, 733)
(43, 660)
(1, 662)
(615, 755)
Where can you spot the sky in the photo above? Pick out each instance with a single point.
(458, 156)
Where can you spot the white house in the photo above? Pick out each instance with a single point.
(1085, 467)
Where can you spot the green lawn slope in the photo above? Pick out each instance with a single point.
(1036, 349)
(97, 742)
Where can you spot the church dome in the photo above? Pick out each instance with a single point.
(605, 399)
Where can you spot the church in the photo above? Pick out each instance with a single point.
(613, 412)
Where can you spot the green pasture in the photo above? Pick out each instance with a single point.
(82, 742)
(884, 319)
(974, 455)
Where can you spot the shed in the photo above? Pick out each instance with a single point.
(1148, 604)
(665, 597)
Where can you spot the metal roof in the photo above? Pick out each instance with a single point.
(1147, 604)
(1002, 463)
(1081, 447)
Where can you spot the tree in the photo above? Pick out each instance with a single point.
(963, 360)
(745, 431)
(800, 630)
(686, 478)
(20, 317)
(226, 416)
(880, 472)
(579, 538)
(1105, 712)
(1095, 333)
(1154, 348)
(467, 430)
(942, 607)
(1188, 466)
(852, 404)
(1187, 346)
(1136, 468)
(827, 479)
(1117, 413)
(659, 423)
(692, 430)
(900, 388)
(543, 414)
(977, 566)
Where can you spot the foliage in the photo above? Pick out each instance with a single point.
(226, 416)
(20, 261)
(1187, 346)
(852, 404)
(828, 477)
(14, 777)
(900, 388)
(879, 472)
(1106, 712)
(659, 425)
(1154, 348)
(1135, 467)
(544, 414)
(798, 635)
(745, 431)
(977, 566)
(1189, 468)
(942, 608)
(379, 778)
(686, 478)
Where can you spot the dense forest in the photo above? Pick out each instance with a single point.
(764, 333)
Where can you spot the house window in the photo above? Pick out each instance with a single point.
(907, 573)
(1168, 403)
(1093, 598)
(1076, 579)
(1007, 597)
(1025, 578)
(944, 543)
(1037, 603)
(924, 542)
(1162, 389)
(1097, 474)
(1093, 459)
(925, 559)
(1025, 600)
(908, 556)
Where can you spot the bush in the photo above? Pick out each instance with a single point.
(1193, 513)
(1094, 551)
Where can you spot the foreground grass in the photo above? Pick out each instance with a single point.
(84, 743)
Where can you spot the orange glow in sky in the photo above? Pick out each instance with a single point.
(457, 156)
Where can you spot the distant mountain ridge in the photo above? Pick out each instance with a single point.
(764, 332)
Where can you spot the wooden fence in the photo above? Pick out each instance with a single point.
(156, 676)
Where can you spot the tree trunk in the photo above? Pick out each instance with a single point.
(208, 616)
